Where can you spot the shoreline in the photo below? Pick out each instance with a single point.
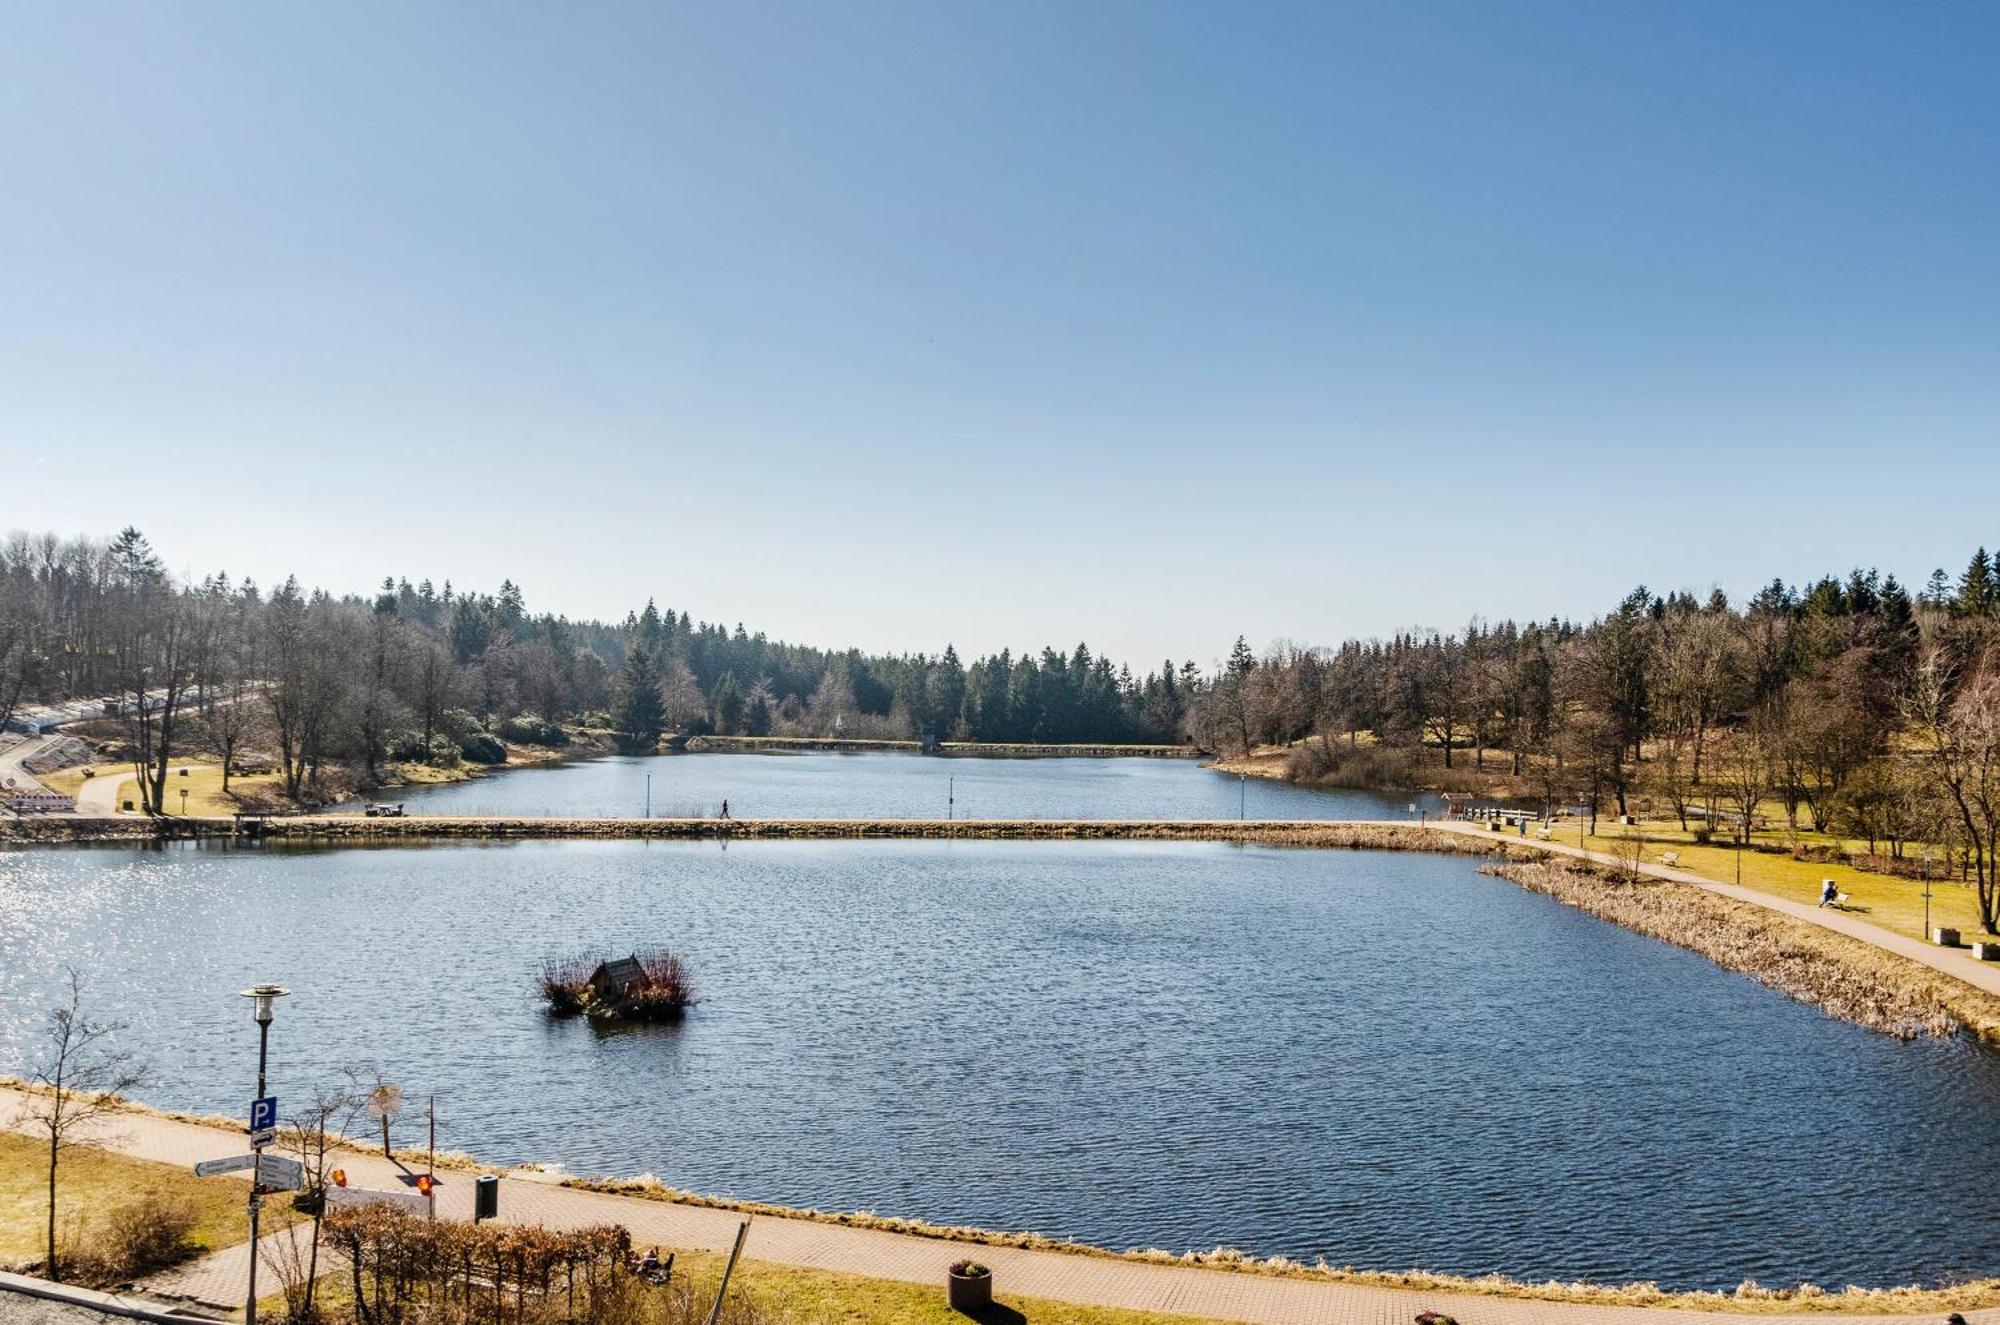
(1749, 1299)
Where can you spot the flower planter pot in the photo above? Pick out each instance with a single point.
(968, 1293)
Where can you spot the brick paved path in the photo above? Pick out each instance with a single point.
(1193, 1291)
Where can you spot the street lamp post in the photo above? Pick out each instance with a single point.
(1925, 873)
(263, 996)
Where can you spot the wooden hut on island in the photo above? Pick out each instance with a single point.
(613, 982)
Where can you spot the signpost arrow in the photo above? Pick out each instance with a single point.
(208, 1168)
(275, 1173)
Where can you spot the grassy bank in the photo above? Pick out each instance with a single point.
(1368, 766)
(1893, 903)
(93, 1182)
(1844, 977)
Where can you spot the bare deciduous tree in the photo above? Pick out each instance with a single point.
(311, 1134)
(76, 1082)
(1956, 724)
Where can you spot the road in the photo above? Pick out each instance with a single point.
(13, 776)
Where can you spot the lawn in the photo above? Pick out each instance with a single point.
(1894, 904)
(93, 1181)
(794, 1294)
(203, 783)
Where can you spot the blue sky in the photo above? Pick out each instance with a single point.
(894, 325)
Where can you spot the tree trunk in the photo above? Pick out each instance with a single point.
(55, 1153)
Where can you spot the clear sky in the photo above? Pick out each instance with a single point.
(1009, 324)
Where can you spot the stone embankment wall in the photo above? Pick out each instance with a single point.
(984, 750)
(357, 828)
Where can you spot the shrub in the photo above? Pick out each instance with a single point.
(562, 983)
(665, 994)
(970, 1269)
(527, 729)
(407, 746)
(483, 748)
(146, 1236)
(396, 1261)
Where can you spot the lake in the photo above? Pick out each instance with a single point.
(1382, 1059)
(874, 785)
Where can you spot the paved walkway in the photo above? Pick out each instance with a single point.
(1956, 962)
(97, 798)
(1102, 1281)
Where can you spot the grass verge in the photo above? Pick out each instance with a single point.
(92, 1181)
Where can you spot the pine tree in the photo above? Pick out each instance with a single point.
(1236, 691)
(1977, 593)
(640, 714)
(757, 714)
(726, 703)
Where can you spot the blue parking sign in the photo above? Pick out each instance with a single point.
(264, 1113)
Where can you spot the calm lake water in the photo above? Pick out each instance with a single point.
(1382, 1059)
(890, 786)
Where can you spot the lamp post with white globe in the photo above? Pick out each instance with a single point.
(264, 997)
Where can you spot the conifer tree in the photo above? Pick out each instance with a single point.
(640, 715)
(1977, 592)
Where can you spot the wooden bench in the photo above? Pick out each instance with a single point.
(1986, 950)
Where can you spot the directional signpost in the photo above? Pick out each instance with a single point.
(208, 1168)
(275, 1173)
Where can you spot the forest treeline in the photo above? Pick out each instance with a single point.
(414, 672)
(1849, 706)
(1851, 703)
